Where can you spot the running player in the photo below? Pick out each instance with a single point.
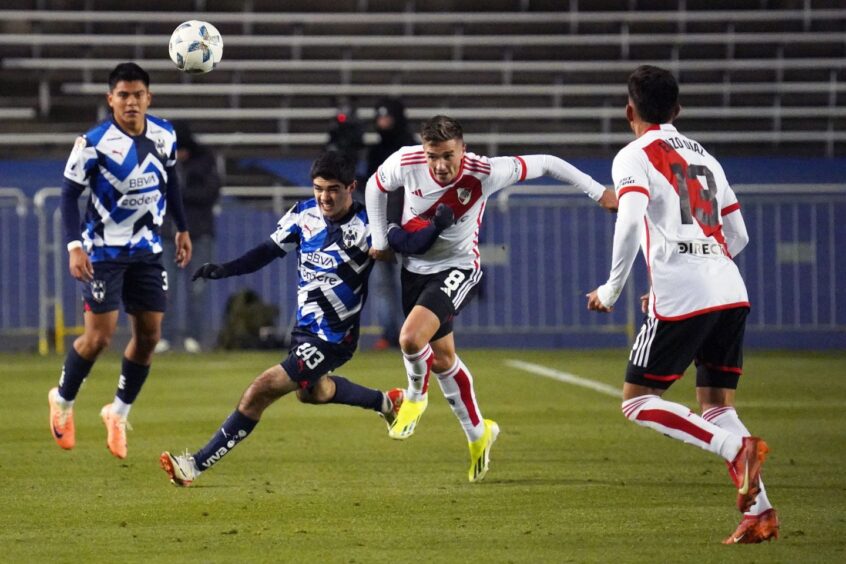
(128, 163)
(676, 202)
(438, 283)
(331, 237)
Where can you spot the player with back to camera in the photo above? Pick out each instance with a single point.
(330, 235)
(438, 283)
(676, 202)
(128, 163)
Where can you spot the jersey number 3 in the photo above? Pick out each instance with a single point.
(694, 199)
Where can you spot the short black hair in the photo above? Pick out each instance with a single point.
(440, 129)
(128, 72)
(654, 93)
(333, 165)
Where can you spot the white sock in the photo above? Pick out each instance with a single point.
(418, 367)
(120, 408)
(62, 402)
(678, 422)
(726, 418)
(457, 386)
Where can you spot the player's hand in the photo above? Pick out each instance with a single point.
(210, 271)
(594, 304)
(183, 249)
(80, 265)
(608, 200)
(385, 255)
(444, 217)
(644, 303)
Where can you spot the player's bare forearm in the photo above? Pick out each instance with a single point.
(183, 249)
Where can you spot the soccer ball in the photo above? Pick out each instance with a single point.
(195, 46)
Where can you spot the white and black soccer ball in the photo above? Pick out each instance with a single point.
(195, 46)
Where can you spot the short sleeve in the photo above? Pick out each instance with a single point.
(504, 172)
(629, 172)
(82, 160)
(287, 234)
(388, 176)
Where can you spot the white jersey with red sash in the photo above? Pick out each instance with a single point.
(686, 251)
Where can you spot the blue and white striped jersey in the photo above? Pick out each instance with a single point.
(128, 177)
(333, 267)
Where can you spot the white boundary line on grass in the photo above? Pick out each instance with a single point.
(565, 377)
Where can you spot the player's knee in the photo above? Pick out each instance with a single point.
(321, 392)
(412, 341)
(146, 342)
(92, 344)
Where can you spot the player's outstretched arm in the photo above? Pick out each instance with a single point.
(418, 242)
(377, 213)
(559, 169)
(254, 259)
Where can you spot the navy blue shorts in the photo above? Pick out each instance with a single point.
(444, 293)
(140, 284)
(310, 357)
(713, 341)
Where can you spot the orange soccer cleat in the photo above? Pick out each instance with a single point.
(116, 431)
(755, 528)
(61, 421)
(745, 471)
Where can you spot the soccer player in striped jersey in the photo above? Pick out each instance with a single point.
(676, 203)
(330, 235)
(439, 282)
(128, 163)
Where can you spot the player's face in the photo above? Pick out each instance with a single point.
(333, 198)
(444, 159)
(129, 100)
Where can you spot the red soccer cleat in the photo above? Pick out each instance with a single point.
(755, 528)
(745, 471)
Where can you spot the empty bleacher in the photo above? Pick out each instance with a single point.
(766, 78)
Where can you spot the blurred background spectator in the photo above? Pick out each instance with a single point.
(188, 302)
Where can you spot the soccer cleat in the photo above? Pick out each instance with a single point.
(61, 421)
(395, 398)
(755, 528)
(181, 469)
(480, 452)
(116, 431)
(407, 417)
(745, 471)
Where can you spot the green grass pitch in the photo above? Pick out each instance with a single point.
(571, 480)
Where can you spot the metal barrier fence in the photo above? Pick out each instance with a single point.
(542, 250)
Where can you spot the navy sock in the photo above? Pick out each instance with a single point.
(234, 430)
(132, 377)
(350, 393)
(74, 373)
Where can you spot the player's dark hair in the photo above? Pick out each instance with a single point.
(333, 165)
(128, 72)
(440, 129)
(654, 93)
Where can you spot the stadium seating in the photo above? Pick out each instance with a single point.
(758, 80)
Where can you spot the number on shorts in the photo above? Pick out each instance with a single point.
(310, 355)
(164, 280)
(452, 282)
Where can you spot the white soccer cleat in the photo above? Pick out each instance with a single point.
(181, 469)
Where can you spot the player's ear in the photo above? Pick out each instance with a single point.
(352, 186)
(676, 111)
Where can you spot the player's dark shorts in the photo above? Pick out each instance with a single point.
(310, 357)
(444, 293)
(713, 341)
(141, 284)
